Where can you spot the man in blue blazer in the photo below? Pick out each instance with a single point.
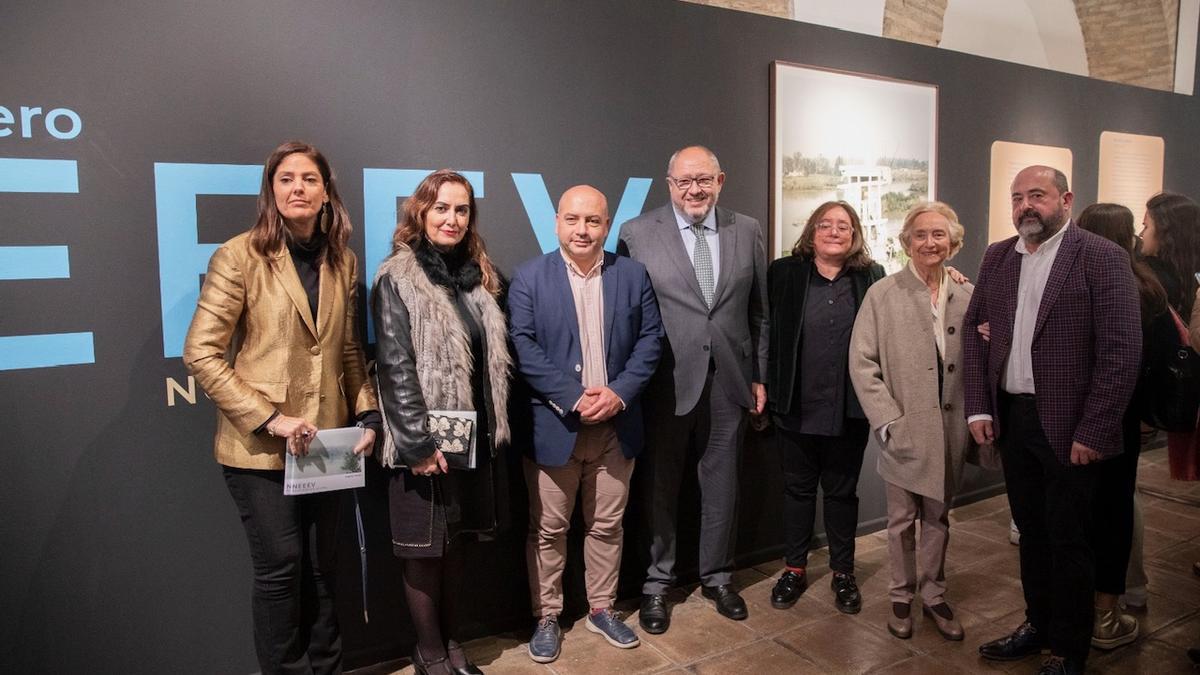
(587, 337)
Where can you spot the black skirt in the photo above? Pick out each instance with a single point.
(427, 512)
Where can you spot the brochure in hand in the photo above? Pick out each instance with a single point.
(329, 465)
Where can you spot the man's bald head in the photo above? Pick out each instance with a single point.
(585, 193)
(582, 225)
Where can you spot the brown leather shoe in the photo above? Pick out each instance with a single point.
(900, 626)
(950, 628)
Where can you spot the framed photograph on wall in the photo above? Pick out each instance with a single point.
(867, 140)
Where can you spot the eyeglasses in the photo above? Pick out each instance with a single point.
(703, 182)
(826, 225)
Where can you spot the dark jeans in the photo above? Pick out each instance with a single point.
(1051, 504)
(292, 546)
(1112, 515)
(834, 462)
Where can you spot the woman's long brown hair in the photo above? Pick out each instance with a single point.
(1177, 233)
(411, 228)
(270, 233)
(1115, 223)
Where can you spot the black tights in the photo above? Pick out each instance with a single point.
(423, 592)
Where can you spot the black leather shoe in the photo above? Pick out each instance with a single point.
(1057, 665)
(788, 589)
(846, 597)
(729, 604)
(455, 653)
(654, 616)
(1024, 641)
(429, 667)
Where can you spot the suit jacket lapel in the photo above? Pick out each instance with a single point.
(609, 282)
(285, 273)
(1064, 260)
(673, 239)
(566, 297)
(325, 296)
(1010, 276)
(727, 238)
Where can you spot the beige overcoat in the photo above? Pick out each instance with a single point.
(893, 366)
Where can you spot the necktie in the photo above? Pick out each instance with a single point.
(702, 261)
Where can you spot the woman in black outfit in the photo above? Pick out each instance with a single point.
(1114, 515)
(1171, 244)
(815, 295)
(442, 345)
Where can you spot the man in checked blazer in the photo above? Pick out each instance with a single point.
(709, 270)
(1050, 387)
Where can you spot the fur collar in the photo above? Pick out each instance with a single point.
(451, 269)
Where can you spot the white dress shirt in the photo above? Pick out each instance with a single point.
(710, 235)
(1035, 271)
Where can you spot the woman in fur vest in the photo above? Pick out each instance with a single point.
(441, 341)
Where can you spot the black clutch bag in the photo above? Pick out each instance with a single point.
(454, 432)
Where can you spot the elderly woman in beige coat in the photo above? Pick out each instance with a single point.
(906, 366)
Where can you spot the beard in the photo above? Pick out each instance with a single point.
(698, 211)
(1041, 228)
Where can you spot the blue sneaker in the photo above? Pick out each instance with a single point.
(606, 623)
(546, 642)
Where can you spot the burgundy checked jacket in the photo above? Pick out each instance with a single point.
(1087, 340)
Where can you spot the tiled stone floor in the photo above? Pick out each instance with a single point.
(812, 637)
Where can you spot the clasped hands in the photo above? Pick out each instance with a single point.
(598, 404)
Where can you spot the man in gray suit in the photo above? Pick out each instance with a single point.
(708, 266)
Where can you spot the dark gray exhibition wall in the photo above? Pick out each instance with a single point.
(121, 549)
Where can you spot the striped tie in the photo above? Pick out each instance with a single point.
(702, 261)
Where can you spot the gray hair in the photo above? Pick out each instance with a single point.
(712, 157)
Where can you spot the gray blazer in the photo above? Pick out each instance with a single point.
(893, 365)
(734, 332)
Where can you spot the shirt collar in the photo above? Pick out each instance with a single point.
(575, 268)
(709, 222)
(1047, 247)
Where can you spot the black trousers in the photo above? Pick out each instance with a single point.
(292, 547)
(1112, 521)
(1051, 504)
(710, 435)
(835, 463)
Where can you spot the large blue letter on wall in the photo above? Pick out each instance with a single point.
(40, 262)
(181, 257)
(540, 209)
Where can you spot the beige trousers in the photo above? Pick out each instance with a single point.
(599, 473)
(917, 564)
